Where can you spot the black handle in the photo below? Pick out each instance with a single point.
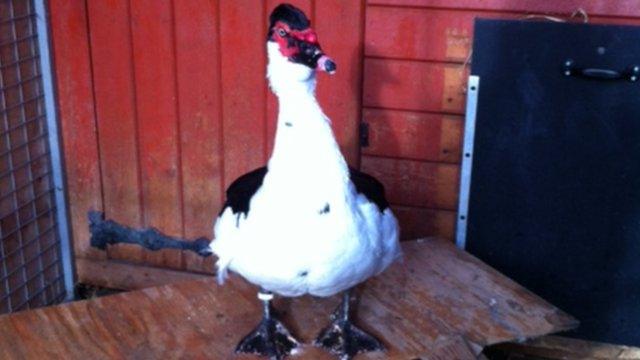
(630, 74)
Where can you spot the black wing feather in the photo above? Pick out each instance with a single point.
(370, 187)
(240, 192)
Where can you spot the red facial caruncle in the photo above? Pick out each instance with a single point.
(282, 35)
(301, 46)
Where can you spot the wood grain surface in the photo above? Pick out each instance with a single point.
(438, 303)
(162, 109)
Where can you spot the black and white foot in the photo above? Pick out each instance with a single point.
(344, 339)
(270, 338)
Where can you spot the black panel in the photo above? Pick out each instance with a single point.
(555, 194)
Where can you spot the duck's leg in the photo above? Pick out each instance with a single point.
(344, 339)
(270, 338)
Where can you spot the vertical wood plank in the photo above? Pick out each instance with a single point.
(154, 64)
(243, 52)
(340, 28)
(77, 117)
(115, 111)
(198, 61)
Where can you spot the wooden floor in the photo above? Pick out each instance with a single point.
(439, 303)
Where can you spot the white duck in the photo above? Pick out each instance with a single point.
(306, 223)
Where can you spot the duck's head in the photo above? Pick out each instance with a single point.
(293, 45)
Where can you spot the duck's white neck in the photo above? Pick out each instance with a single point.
(304, 143)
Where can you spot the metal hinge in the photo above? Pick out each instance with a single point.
(364, 134)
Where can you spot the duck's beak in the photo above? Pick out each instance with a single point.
(326, 64)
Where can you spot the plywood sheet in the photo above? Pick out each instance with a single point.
(439, 303)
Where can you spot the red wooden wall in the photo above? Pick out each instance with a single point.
(164, 102)
(415, 70)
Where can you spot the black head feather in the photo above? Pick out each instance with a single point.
(289, 15)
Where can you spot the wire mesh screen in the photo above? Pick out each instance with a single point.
(30, 262)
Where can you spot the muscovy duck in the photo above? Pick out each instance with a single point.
(306, 223)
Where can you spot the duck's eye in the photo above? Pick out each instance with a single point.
(281, 32)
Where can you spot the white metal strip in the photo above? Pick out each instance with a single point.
(473, 87)
(54, 144)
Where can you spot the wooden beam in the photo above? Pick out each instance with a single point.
(116, 275)
(74, 87)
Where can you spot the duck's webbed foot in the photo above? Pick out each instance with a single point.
(344, 339)
(270, 338)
